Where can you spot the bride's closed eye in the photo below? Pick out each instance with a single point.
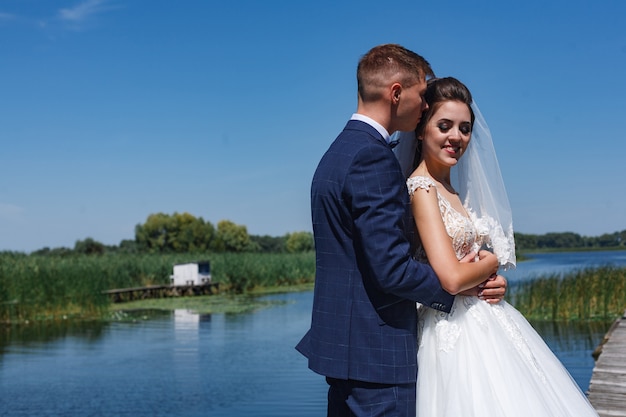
(445, 126)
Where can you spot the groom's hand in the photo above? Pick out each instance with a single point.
(493, 290)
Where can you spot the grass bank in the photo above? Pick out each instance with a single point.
(210, 304)
(587, 294)
(41, 288)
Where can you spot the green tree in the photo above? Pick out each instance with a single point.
(179, 232)
(153, 235)
(269, 244)
(231, 237)
(299, 242)
(560, 240)
(607, 240)
(60, 251)
(89, 246)
(525, 241)
(128, 246)
(192, 234)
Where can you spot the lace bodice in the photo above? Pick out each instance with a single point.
(461, 228)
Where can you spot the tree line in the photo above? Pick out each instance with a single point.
(569, 240)
(185, 233)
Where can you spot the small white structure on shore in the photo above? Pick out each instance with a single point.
(192, 273)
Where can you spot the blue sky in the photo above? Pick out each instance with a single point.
(111, 110)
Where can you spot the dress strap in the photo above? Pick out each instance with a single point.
(413, 183)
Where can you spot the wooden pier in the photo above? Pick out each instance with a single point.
(607, 389)
(121, 295)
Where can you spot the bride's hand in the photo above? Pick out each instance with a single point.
(470, 257)
(491, 290)
(491, 259)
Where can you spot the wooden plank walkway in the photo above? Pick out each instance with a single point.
(607, 389)
(120, 295)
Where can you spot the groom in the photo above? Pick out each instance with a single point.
(363, 334)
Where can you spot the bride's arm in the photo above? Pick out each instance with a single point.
(455, 276)
(492, 290)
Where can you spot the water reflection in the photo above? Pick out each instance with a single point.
(37, 336)
(571, 335)
(178, 363)
(574, 344)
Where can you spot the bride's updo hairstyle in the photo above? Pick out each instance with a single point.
(438, 91)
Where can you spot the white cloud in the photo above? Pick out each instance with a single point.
(84, 10)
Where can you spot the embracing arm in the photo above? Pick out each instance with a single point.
(491, 290)
(455, 276)
(378, 202)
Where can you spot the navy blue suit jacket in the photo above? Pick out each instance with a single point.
(364, 321)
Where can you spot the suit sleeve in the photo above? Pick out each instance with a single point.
(379, 202)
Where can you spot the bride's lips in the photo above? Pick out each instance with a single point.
(452, 149)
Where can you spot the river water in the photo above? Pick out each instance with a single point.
(184, 364)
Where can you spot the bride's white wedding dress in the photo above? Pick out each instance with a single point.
(486, 360)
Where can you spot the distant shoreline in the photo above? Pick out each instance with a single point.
(523, 252)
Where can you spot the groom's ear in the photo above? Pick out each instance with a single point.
(395, 90)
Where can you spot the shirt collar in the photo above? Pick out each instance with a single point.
(383, 132)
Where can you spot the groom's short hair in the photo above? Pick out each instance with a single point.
(385, 64)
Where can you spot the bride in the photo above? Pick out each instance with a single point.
(481, 359)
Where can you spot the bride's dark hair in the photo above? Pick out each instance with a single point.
(438, 91)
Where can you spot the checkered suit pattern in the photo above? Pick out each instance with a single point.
(364, 320)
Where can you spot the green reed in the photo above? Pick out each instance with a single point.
(587, 294)
(40, 287)
(245, 273)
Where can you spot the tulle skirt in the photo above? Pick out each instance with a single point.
(486, 360)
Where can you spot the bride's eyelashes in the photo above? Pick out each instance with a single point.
(445, 125)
